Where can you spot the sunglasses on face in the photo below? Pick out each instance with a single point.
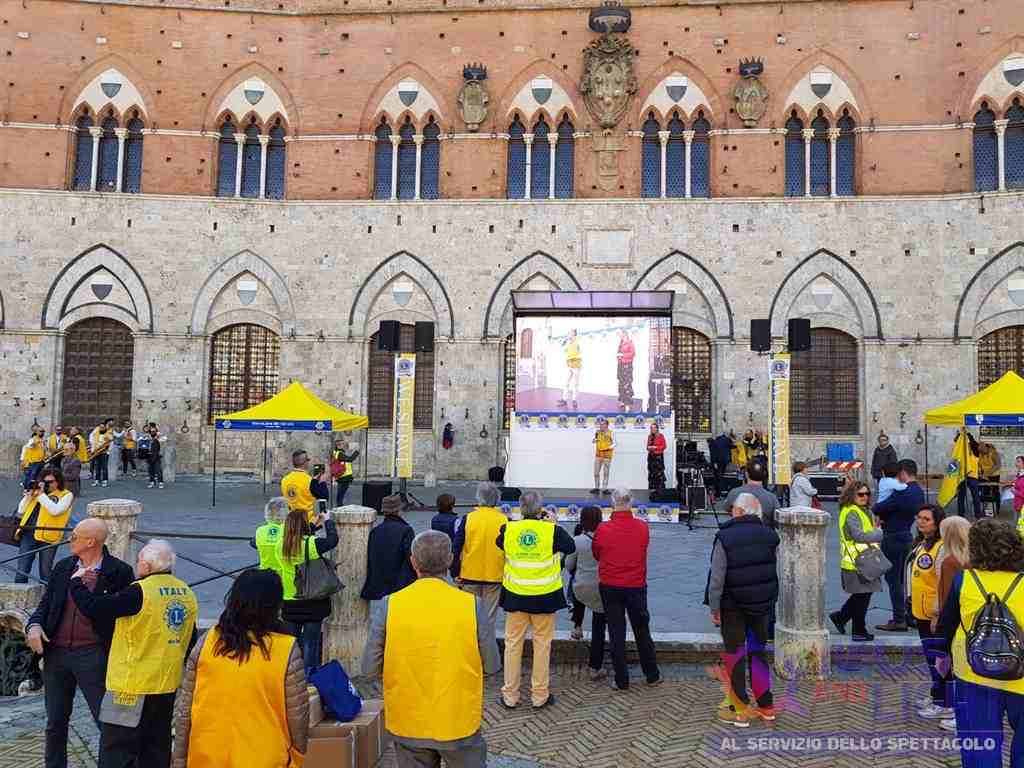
(863, 493)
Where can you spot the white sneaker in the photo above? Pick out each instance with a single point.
(104, 483)
(151, 485)
(924, 701)
(948, 725)
(161, 485)
(134, 473)
(95, 483)
(935, 712)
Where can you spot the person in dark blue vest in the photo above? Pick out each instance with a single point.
(742, 585)
(896, 515)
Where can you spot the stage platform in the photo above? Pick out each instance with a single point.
(566, 503)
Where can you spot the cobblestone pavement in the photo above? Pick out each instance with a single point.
(852, 720)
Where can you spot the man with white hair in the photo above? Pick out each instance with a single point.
(154, 630)
(478, 564)
(743, 584)
(268, 538)
(433, 644)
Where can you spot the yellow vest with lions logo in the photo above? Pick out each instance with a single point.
(531, 565)
(924, 582)
(46, 537)
(295, 488)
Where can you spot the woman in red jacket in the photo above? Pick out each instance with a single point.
(655, 459)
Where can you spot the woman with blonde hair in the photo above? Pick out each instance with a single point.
(857, 532)
(954, 557)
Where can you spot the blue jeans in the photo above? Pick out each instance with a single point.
(311, 642)
(28, 547)
(969, 484)
(896, 547)
(30, 474)
(979, 715)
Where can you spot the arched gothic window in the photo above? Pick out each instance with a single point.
(821, 176)
(407, 161)
(565, 159)
(83, 153)
(381, 384)
(516, 168)
(382, 162)
(794, 156)
(845, 147)
(244, 368)
(227, 160)
(430, 161)
(650, 159)
(106, 170)
(824, 386)
(986, 151)
(700, 158)
(132, 181)
(675, 159)
(540, 161)
(276, 158)
(252, 156)
(1013, 145)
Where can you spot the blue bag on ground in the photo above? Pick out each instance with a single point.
(337, 694)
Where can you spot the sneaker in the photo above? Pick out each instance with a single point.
(656, 682)
(161, 485)
(575, 405)
(763, 713)
(840, 626)
(607, 492)
(595, 490)
(863, 637)
(95, 483)
(891, 626)
(598, 674)
(948, 725)
(577, 633)
(730, 715)
(935, 712)
(547, 703)
(104, 483)
(617, 687)
(924, 701)
(505, 704)
(151, 485)
(562, 403)
(134, 473)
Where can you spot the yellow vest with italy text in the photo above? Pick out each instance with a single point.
(848, 548)
(433, 674)
(924, 582)
(481, 559)
(531, 566)
(295, 488)
(971, 601)
(46, 537)
(147, 654)
(218, 736)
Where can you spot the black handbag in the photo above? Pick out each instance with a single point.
(9, 529)
(316, 579)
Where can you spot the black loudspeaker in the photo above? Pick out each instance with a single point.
(510, 493)
(663, 495)
(374, 492)
(424, 337)
(496, 475)
(760, 335)
(799, 334)
(388, 335)
(696, 498)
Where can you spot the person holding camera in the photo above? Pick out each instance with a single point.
(302, 489)
(45, 505)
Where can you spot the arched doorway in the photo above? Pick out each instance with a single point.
(98, 364)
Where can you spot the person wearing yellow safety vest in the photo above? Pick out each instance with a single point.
(857, 531)
(432, 644)
(300, 489)
(980, 704)
(268, 538)
(55, 446)
(154, 631)
(969, 482)
(573, 366)
(127, 438)
(923, 577)
(604, 447)
(33, 454)
(247, 657)
(531, 595)
(341, 470)
(479, 565)
(46, 505)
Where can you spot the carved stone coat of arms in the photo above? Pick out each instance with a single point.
(608, 82)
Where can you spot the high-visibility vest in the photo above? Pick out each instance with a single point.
(268, 544)
(82, 450)
(847, 546)
(1020, 521)
(148, 652)
(218, 736)
(572, 351)
(35, 453)
(972, 464)
(433, 674)
(286, 564)
(531, 565)
(129, 439)
(924, 581)
(481, 558)
(54, 443)
(346, 466)
(295, 486)
(604, 444)
(46, 537)
(971, 601)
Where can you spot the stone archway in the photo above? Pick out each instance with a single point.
(519, 274)
(399, 265)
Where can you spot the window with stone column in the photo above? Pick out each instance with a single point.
(845, 148)
(407, 160)
(824, 393)
(794, 156)
(565, 159)
(675, 158)
(650, 158)
(380, 391)
(821, 173)
(1013, 143)
(82, 179)
(515, 185)
(252, 154)
(700, 157)
(132, 179)
(107, 157)
(227, 159)
(106, 171)
(276, 162)
(986, 153)
(540, 161)
(382, 153)
(1000, 351)
(430, 162)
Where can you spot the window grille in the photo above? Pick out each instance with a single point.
(381, 386)
(540, 161)
(508, 403)
(106, 172)
(700, 158)
(691, 380)
(407, 161)
(382, 163)
(824, 391)
(845, 147)
(251, 161)
(565, 159)
(986, 151)
(430, 161)
(999, 352)
(675, 159)
(132, 181)
(83, 154)
(1013, 145)
(821, 180)
(794, 157)
(276, 159)
(650, 159)
(516, 169)
(227, 160)
(244, 368)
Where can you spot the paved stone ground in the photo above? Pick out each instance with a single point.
(593, 726)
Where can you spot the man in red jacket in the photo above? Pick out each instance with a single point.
(620, 548)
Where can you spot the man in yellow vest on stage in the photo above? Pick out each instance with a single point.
(531, 594)
(300, 489)
(432, 644)
(154, 631)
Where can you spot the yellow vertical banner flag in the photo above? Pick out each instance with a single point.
(954, 474)
(779, 468)
(402, 422)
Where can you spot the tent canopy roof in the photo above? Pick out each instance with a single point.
(295, 409)
(999, 404)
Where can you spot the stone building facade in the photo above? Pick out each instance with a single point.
(205, 200)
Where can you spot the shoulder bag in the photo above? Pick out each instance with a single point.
(871, 563)
(316, 579)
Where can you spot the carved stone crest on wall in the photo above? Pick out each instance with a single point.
(473, 98)
(608, 81)
(750, 93)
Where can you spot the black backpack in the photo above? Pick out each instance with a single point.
(995, 645)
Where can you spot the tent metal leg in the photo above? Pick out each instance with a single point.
(927, 472)
(264, 463)
(214, 503)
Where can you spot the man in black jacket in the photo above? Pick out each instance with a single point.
(74, 648)
(742, 585)
(388, 568)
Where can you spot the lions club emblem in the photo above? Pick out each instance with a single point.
(528, 540)
(175, 616)
(924, 562)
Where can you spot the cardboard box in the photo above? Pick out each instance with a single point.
(367, 730)
(336, 752)
(316, 709)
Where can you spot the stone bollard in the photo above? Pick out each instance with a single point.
(169, 459)
(801, 639)
(122, 518)
(114, 462)
(346, 629)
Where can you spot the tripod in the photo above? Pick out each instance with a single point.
(691, 478)
(408, 497)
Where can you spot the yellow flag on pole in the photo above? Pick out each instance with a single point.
(954, 472)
